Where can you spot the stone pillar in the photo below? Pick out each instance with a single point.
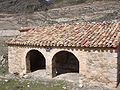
(48, 65)
(81, 56)
(82, 66)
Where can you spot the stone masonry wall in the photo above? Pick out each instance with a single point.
(96, 65)
(102, 67)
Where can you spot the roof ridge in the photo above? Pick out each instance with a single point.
(80, 23)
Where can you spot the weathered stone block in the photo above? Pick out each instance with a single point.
(113, 84)
(113, 70)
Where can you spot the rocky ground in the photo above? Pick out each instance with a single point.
(31, 82)
(28, 6)
(17, 83)
(86, 12)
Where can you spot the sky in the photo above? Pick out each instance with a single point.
(47, 0)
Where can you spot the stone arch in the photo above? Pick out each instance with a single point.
(64, 62)
(35, 61)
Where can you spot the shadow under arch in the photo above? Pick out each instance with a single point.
(35, 61)
(64, 62)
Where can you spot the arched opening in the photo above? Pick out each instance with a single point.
(35, 61)
(64, 62)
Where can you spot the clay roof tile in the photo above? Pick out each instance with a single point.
(72, 35)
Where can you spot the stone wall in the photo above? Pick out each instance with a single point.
(102, 67)
(96, 65)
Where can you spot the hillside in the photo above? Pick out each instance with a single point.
(20, 6)
(28, 6)
(90, 12)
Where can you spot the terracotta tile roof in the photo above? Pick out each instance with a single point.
(73, 35)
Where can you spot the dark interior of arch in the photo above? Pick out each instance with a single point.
(36, 60)
(64, 62)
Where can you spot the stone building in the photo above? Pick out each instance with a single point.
(90, 49)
